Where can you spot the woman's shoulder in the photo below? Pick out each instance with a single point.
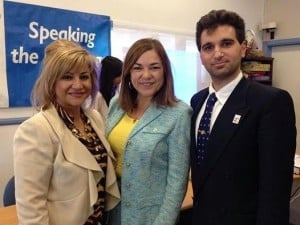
(183, 106)
(114, 101)
(113, 105)
(37, 119)
(36, 125)
(94, 114)
(180, 107)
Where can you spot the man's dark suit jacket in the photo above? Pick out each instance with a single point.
(247, 174)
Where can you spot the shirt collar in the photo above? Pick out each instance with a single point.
(224, 93)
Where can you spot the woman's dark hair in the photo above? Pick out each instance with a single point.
(128, 95)
(111, 67)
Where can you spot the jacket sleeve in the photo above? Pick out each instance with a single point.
(179, 142)
(277, 144)
(33, 159)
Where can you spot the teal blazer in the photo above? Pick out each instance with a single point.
(155, 164)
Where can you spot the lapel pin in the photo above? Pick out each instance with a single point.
(236, 119)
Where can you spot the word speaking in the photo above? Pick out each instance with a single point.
(42, 33)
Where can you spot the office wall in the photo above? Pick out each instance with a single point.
(286, 15)
(177, 16)
(168, 15)
(286, 76)
(286, 58)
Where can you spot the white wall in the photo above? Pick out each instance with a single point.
(286, 58)
(286, 15)
(286, 76)
(6, 156)
(178, 16)
(168, 15)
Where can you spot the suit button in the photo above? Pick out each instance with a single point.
(128, 164)
(127, 204)
(128, 185)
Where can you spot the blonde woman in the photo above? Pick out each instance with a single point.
(63, 164)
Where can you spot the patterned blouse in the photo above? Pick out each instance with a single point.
(90, 139)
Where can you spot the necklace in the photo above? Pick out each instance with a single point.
(79, 133)
(137, 113)
(87, 132)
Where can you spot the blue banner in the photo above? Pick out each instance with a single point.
(29, 28)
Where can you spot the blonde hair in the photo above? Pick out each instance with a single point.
(59, 59)
(60, 43)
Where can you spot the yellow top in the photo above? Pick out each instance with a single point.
(118, 138)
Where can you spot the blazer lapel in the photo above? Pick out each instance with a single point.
(114, 118)
(72, 148)
(101, 134)
(200, 101)
(151, 113)
(225, 126)
(76, 153)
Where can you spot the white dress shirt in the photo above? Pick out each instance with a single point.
(222, 96)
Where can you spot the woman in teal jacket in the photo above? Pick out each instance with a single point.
(148, 129)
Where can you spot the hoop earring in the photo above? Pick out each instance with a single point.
(130, 85)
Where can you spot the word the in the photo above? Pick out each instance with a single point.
(20, 56)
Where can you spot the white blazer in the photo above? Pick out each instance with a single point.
(55, 174)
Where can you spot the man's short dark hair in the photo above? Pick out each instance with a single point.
(216, 18)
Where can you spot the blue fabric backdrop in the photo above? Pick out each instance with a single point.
(29, 28)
